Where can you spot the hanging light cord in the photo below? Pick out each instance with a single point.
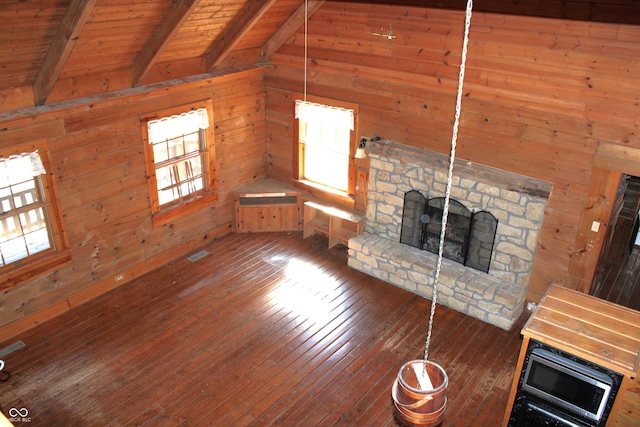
(447, 197)
(306, 42)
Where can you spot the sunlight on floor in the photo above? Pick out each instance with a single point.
(307, 291)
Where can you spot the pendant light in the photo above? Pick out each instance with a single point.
(419, 392)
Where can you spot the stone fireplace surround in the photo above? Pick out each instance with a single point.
(518, 202)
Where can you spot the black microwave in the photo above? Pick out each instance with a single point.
(578, 387)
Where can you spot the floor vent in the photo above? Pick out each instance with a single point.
(195, 257)
(10, 349)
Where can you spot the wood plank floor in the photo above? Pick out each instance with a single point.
(268, 329)
(621, 282)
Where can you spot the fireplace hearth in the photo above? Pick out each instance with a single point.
(469, 236)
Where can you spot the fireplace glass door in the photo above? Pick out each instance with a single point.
(469, 236)
(457, 232)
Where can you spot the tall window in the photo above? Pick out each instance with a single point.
(326, 145)
(30, 225)
(179, 161)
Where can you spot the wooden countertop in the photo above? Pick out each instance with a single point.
(588, 327)
(265, 187)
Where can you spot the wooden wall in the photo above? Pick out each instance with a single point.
(552, 99)
(542, 97)
(98, 161)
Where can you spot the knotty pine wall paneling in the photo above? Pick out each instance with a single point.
(99, 166)
(540, 95)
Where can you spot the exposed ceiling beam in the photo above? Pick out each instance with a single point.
(288, 28)
(236, 31)
(61, 46)
(179, 12)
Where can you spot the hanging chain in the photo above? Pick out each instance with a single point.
(306, 43)
(445, 213)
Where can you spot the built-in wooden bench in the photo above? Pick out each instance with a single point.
(267, 205)
(338, 224)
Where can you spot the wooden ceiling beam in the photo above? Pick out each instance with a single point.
(179, 12)
(288, 28)
(75, 17)
(238, 28)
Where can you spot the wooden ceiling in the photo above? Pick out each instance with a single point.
(57, 50)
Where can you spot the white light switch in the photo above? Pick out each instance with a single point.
(595, 226)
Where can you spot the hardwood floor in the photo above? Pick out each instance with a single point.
(268, 329)
(621, 281)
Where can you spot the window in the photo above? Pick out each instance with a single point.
(326, 145)
(30, 226)
(180, 158)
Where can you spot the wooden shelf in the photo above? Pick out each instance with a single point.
(317, 225)
(338, 224)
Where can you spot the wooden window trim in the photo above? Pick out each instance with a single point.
(33, 266)
(162, 215)
(42, 262)
(346, 198)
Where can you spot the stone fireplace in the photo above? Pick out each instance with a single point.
(496, 296)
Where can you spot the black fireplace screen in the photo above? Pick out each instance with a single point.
(469, 236)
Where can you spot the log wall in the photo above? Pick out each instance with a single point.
(97, 157)
(541, 98)
(552, 99)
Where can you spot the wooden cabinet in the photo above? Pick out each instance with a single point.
(338, 224)
(628, 413)
(592, 329)
(267, 206)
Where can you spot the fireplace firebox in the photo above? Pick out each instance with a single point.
(469, 236)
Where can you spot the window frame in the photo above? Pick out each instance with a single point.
(298, 153)
(59, 253)
(167, 213)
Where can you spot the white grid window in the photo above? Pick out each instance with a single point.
(179, 155)
(325, 138)
(24, 219)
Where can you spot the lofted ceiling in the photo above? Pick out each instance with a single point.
(56, 50)
(85, 47)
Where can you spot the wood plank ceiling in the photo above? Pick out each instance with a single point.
(62, 49)
(49, 42)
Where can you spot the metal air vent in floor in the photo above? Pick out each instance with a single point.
(198, 255)
(11, 348)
